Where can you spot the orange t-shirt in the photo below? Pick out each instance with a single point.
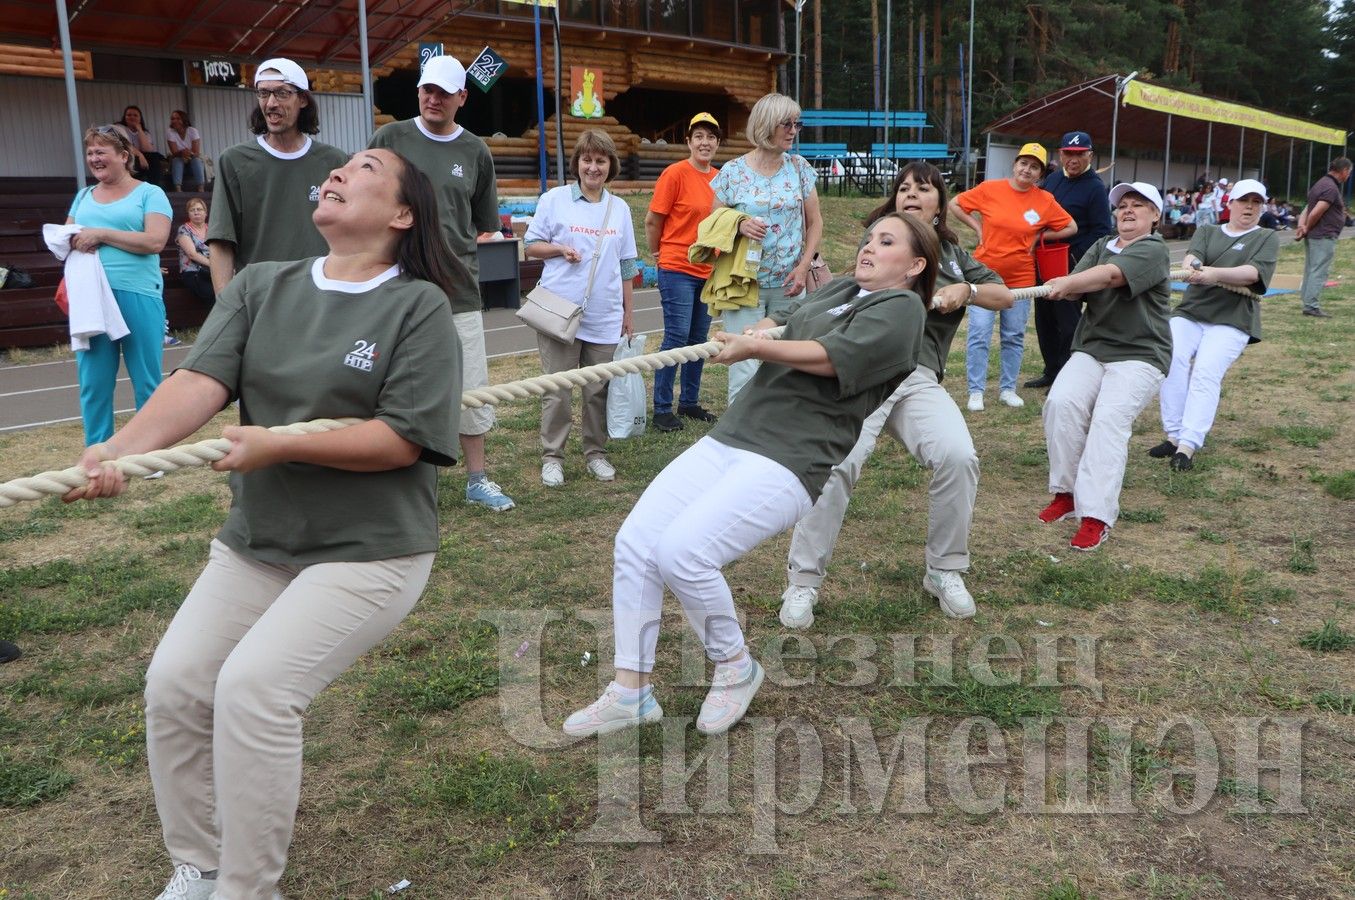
(683, 196)
(1011, 219)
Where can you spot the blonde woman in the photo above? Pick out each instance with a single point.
(776, 188)
(574, 222)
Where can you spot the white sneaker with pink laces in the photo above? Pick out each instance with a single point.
(731, 691)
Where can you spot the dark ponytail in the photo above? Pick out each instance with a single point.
(422, 252)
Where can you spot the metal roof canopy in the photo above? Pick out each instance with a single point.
(314, 32)
(1089, 107)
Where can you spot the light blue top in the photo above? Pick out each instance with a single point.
(779, 201)
(138, 273)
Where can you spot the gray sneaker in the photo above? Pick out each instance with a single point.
(187, 883)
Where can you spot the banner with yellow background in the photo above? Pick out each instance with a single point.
(1193, 106)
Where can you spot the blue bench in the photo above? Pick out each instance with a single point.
(894, 150)
(863, 118)
(822, 151)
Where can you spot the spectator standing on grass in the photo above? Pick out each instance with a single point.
(1077, 188)
(267, 189)
(184, 144)
(1014, 214)
(1319, 226)
(461, 169)
(1212, 325)
(330, 537)
(1121, 354)
(776, 189)
(682, 198)
(126, 222)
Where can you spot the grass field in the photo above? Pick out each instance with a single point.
(1224, 596)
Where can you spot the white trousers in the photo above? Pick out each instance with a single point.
(1201, 356)
(707, 508)
(1088, 418)
(922, 417)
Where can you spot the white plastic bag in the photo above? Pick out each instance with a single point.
(627, 405)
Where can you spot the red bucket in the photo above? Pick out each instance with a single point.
(1051, 260)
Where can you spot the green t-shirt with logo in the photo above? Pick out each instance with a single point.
(462, 172)
(292, 346)
(809, 423)
(1213, 304)
(956, 265)
(263, 204)
(1130, 322)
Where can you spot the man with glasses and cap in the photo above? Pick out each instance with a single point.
(1081, 192)
(267, 188)
(461, 169)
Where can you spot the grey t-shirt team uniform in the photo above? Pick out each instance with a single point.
(1130, 322)
(1214, 304)
(263, 204)
(293, 346)
(956, 265)
(808, 423)
(462, 172)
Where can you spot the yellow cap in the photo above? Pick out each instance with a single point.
(1035, 150)
(703, 118)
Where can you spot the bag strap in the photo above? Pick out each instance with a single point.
(80, 199)
(597, 253)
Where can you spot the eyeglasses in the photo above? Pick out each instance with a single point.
(283, 94)
(793, 125)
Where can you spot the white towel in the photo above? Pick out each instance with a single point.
(94, 309)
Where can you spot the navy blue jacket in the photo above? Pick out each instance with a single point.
(1086, 199)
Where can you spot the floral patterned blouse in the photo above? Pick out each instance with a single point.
(778, 200)
(200, 245)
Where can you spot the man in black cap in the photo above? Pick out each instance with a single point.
(1081, 192)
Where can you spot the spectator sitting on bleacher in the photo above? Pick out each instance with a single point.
(185, 149)
(150, 164)
(195, 264)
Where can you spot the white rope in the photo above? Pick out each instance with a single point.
(183, 456)
(1032, 293)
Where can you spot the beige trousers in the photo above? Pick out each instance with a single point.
(557, 410)
(248, 650)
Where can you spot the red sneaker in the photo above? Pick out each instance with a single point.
(1061, 508)
(1091, 535)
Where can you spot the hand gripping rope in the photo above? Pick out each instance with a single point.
(203, 452)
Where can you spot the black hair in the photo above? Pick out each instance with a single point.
(307, 121)
(183, 117)
(123, 120)
(922, 240)
(921, 171)
(422, 251)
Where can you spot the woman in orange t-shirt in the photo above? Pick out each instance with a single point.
(1013, 216)
(682, 198)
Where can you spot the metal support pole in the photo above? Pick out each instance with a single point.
(1264, 136)
(889, 60)
(969, 102)
(368, 100)
(72, 106)
(559, 92)
(799, 14)
(1208, 152)
(541, 103)
(1241, 150)
(1120, 84)
(1289, 172)
(1167, 156)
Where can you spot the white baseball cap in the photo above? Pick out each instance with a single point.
(1248, 186)
(1223, 181)
(445, 72)
(279, 68)
(1138, 187)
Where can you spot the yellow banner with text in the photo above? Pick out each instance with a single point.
(1193, 106)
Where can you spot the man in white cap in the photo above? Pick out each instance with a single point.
(462, 172)
(266, 189)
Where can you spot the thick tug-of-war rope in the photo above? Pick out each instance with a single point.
(181, 457)
(203, 452)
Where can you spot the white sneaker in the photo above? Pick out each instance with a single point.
(797, 606)
(600, 469)
(731, 691)
(1011, 398)
(975, 403)
(948, 588)
(187, 883)
(611, 712)
(552, 473)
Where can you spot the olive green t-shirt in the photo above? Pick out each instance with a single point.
(1130, 322)
(809, 423)
(292, 346)
(955, 265)
(263, 204)
(462, 172)
(1213, 304)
